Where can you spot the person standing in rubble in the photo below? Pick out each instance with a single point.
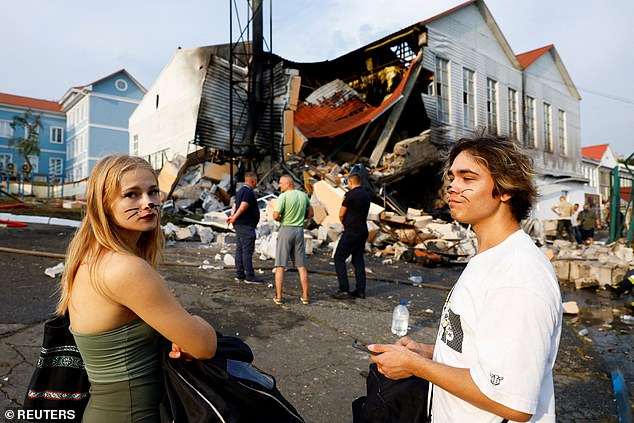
(589, 222)
(501, 323)
(291, 210)
(564, 210)
(245, 216)
(354, 215)
(574, 221)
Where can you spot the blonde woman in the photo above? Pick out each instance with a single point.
(117, 302)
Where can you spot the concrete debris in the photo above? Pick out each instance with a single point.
(570, 307)
(595, 265)
(228, 260)
(52, 272)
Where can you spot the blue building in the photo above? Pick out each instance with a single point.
(52, 158)
(97, 120)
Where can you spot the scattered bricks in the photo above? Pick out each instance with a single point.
(570, 307)
(582, 283)
(185, 234)
(562, 269)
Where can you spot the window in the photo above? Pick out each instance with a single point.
(35, 162)
(442, 89)
(55, 166)
(513, 132)
(57, 135)
(5, 159)
(563, 148)
(492, 106)
(468, 97)
(121, 84)
(530, 122)
(5, 129)
(135, 145)
(548, 132)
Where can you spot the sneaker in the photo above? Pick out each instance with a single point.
(341, 295)
(253, 281)
(357, 294)
(239, 280)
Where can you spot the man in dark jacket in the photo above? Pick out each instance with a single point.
(245, 216)
(354, 215)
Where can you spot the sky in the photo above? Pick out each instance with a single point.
(51, 46)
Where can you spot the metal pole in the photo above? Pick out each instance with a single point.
(231, 182)
(614, 205)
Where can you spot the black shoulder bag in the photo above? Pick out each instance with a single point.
(60, 381)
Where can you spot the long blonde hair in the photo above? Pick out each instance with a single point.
(98, 232)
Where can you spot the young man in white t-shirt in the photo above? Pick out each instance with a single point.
(500, 326)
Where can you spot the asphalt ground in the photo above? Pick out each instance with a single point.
(307, 348)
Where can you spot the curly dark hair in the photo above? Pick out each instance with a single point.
(511, 169)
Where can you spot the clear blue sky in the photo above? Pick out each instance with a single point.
(50, 46)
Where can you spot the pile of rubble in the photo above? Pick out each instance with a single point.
(591, 266)
(202, 188)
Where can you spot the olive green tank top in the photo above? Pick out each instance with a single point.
(120, 354)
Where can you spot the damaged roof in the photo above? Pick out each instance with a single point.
(340, 111)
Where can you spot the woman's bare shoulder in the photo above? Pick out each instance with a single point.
(117, 268)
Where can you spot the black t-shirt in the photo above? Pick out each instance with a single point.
(357, 204)
(252, 214)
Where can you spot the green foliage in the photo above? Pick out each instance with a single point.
(29, 145)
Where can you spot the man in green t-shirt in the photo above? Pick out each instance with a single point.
(291, 209)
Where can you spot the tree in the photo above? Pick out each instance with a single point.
(29, 144)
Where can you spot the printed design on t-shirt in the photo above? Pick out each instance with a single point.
(495, 379)
(451, 329)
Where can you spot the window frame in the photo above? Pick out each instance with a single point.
(442, 95)
(3, 163)
(513, 114)
(492, 106)
(468, 98)
(548, 128)
(563, 132)
(61, 135)
(531, 122)
(8, 133)
(52, 160)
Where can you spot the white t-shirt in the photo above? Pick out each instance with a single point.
(502, 321)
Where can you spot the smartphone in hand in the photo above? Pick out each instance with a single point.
(362, 346)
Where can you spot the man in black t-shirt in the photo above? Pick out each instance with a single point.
(354, 215)
(245, 216)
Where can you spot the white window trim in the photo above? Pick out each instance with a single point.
(52, 160)
(531, 126)
(8, 134)
(493, 114)
(61, 130)
(442, 97)
(513, 113)
(470, 105)
(563, 132)
(548, 128)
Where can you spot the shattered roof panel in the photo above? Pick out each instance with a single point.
(340, 113)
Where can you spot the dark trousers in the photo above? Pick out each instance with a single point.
(566, 225)
(351, 244)
(245, 245)
(577, 233)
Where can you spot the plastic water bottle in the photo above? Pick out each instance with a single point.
(400, 319)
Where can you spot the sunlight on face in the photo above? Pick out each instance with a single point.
(136, 206)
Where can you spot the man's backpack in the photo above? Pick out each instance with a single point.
(226, 388)
(391, 401)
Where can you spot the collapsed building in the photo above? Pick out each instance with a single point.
(395, 105)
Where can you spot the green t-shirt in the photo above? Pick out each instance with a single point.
(292, 205)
